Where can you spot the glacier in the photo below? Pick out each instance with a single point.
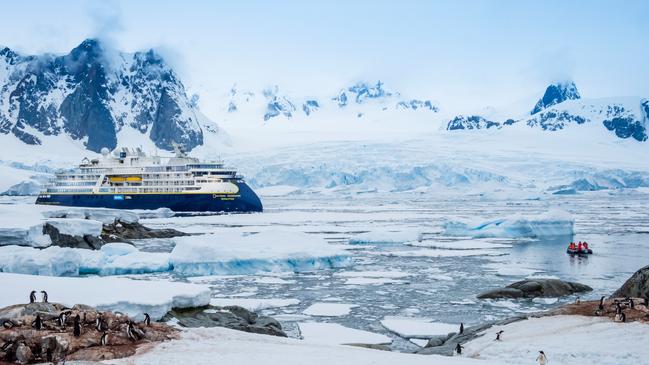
(549, 224)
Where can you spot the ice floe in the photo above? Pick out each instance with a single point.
(329, 309)
(336, 334)
(417, 327)
(459, 244)
(384, 236)
(254, 304)
(132, 297)
(268, 251)
(392, 274)
(549, 224)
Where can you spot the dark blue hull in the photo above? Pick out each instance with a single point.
(244, 201)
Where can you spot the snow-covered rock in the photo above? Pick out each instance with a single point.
(471, 122)
(76, 226)
(234, 253)
(557, 93)
(550, 224)
(417, 327)
(132, 297)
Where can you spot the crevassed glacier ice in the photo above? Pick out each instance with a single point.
(236, 253)
(550, 224)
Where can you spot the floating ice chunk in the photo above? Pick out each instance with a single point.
(372, 281)
(459, 244)
(550, 224)
(329, 309)
(105, 216)
(440, 253)
(384, 236)
(254, 304)
(112, 259)
(545, 300)
(268, 251)
(417, 327)
(76, 226)
(335, 334)
(132, 297)
(273, 280)
(392, 274)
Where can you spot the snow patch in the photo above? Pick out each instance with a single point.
(336, 334)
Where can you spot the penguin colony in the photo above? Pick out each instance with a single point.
(133, 332)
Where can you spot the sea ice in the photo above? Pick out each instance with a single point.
(384, 236)
(336, 334)
(417, 327)
(392, 274)
(329, 309)
(268, 251)
(132, 297)
(550, 224)
(254, 304)
(372, 281)
(459, 244)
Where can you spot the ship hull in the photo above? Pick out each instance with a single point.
(244, 201)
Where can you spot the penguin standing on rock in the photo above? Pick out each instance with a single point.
(38, 322)
(498, 334)
(63, 317)
(32, 296)
(147, 321)
(44, 296)
(77, 326)
(100, 324)
(601, 303)
(104, 339)
(132, 334)
(461, 328)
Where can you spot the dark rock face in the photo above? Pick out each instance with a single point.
(233, 317)
(415, 104)
(535, 288)
(555, 94)
(637, 286)
(92, 93)
(87, 242)
(626, 127)
(553, 120)
(471, 122)
(125, 231)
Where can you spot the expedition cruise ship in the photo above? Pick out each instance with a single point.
(129, 179)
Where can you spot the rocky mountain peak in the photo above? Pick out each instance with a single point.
(557, 93)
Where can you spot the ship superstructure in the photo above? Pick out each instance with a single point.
(129, 179)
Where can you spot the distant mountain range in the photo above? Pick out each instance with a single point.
(102, 98)
(562, 105)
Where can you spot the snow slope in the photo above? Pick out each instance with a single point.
(132, 297)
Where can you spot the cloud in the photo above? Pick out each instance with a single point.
(106, 18)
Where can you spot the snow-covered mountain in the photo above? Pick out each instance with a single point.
(562, 107)
(98, 97)
(273, 103)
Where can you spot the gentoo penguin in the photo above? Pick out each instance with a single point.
(131, 332)
(38, 322)
(498, 335)
(461, 328)
(32, 296)
(104, 339)
(618, 308)
(100, 324)
(577, 301)
(63, 317)
(77, 326)
(458, 349)
(631, 303)
(44, 296)
(147, 320)
(601, 303)
(8, 324)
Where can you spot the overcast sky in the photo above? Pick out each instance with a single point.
(464, 54)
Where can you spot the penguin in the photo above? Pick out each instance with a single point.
(63, 317)
(618, 308)
(48, 355)
(498, 335)
(100, 324)
(646, 302)
(8, 324)
(631, 303)
(38, 322)
(601, 303)
(622, 317)
(104, 339)
(132, 333)
(77, 326)
(458, 348)
(32, 296)
(44, 296)
(461, 328)
(147, 321)
(578, 301)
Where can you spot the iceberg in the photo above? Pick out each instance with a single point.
(268, 251)
(131, 297)
(550, 224)
(384, 236)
